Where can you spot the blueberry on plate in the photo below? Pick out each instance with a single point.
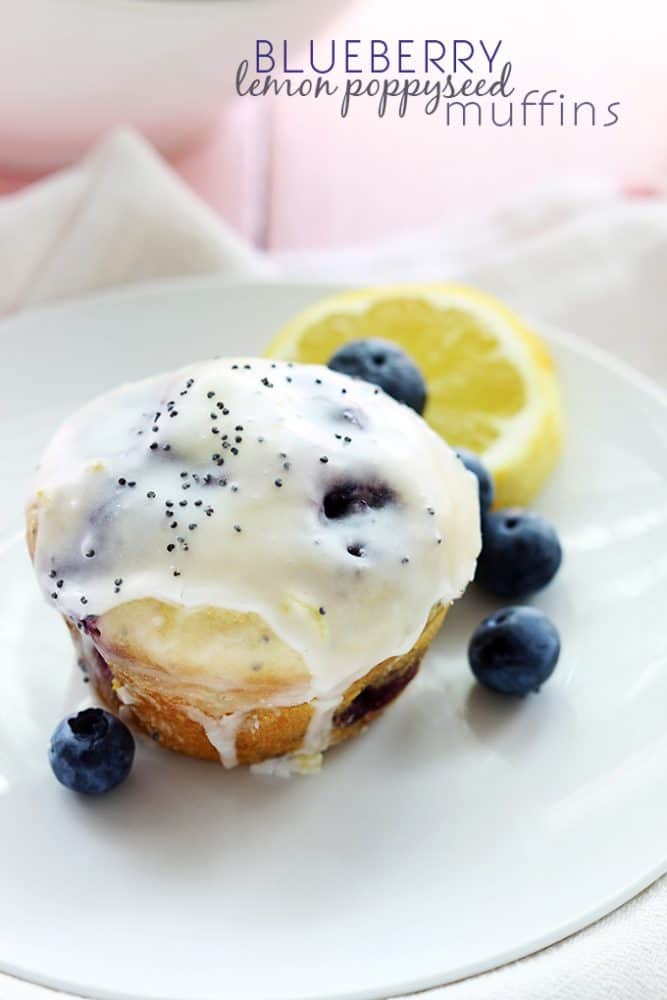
(91, 752)
(384, 364)
(475, 465)
(514, 651)
(520, 553)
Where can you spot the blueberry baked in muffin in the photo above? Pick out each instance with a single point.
(252, 555)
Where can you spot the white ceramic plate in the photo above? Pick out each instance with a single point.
(462, 831)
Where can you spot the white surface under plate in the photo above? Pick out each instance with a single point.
(461, 831)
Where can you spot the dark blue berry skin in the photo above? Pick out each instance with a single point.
(520, 553)
(91, 752)
(514, 651)
(384, 364)
(476, 466)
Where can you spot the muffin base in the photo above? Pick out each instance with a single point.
(262, 733)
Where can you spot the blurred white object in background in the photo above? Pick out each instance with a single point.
(577, 254)
(72, 69)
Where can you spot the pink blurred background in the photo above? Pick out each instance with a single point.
(290, 173)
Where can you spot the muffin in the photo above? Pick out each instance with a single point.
(251, 556)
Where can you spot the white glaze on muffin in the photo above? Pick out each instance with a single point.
(309, 499)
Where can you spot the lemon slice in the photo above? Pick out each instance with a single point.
(491, 382)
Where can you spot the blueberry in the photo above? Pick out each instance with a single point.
(383, 364)
(91, 752)
(347, 498)
(520, 553)
(375, 697)
(476, 466)
(514, 651)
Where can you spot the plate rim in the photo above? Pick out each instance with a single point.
(217, 282)
(404, 989)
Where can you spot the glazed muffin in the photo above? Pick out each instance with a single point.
(252, 556)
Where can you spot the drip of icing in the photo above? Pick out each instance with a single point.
(285, 767)
(127, 701)
(320, 726)
(221, 733)
(212, 486)
(124, 695)
(308, 758)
